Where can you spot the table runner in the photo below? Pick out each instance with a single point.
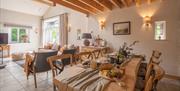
(94, 82)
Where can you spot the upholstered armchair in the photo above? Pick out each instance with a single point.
(38, 63)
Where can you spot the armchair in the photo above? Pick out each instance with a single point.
(38, 63)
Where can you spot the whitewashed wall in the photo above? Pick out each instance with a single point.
(7, 16)
(167, 10)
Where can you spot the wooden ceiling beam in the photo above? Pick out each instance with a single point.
(105, 3)
(129, 2)
(138, 2)
(125, 3)
(149, 1)
(93, 4)
(70, 6)
(81, 5)
(116, 3)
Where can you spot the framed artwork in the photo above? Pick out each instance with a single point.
(121, 28)
(160, 30)
(78, 34)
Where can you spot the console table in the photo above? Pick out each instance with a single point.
(90, 48)
(5, 48)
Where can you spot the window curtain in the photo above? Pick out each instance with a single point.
(63, 29)
(42, 34)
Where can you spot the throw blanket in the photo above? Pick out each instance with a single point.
(88, 80)
(28, 64)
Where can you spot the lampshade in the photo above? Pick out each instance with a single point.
(86, 36)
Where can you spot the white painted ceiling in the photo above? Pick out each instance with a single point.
(24, 6)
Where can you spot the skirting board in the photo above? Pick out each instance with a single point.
(172, 77)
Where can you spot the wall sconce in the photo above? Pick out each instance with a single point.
(69, 28)
(147, 21)
(102, 24)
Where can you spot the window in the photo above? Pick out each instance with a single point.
(160, 30)
(19, 35)
(51, 31)
(14, 34)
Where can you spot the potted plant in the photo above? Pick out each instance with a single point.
(125, 51)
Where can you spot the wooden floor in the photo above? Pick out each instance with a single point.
(12, 78)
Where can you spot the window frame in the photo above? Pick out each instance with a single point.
(18, 34)
(47, 39)
(163, 30)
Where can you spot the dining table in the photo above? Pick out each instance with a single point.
(129, 78)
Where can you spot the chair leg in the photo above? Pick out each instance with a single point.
(47, 75)
(27, 77)
(35, 83)
(54, 87)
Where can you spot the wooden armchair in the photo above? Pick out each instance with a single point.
(54, 66)
(38, 63)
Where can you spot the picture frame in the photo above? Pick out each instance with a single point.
(122, 28)
(78, 34)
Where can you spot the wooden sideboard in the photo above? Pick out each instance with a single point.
(6, 48)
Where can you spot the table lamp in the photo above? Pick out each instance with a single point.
(86, 36)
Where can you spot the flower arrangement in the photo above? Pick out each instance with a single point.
(125, 50)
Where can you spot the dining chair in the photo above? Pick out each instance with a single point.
(39, 63)
(151, 85)
(141, 82)
(159, 74)
(83, 56)
(96, 53)
(104, 51)
(155, 58)
(52, 61)
(62, 63)
(69, 51)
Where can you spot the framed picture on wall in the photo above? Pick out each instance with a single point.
(78, 34)
(121, 28)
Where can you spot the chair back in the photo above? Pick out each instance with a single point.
(40, 61)
(149, 84)
(96, 53)
(53, 59)
(156, 54)
(159, 73)
(104, 51)
(67, 61)
(82, 56)
(155, 75)
(148, 72)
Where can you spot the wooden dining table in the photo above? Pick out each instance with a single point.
(129, 79)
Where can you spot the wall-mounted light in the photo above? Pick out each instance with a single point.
(69, 27)
(147, 21)
(102, 24)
